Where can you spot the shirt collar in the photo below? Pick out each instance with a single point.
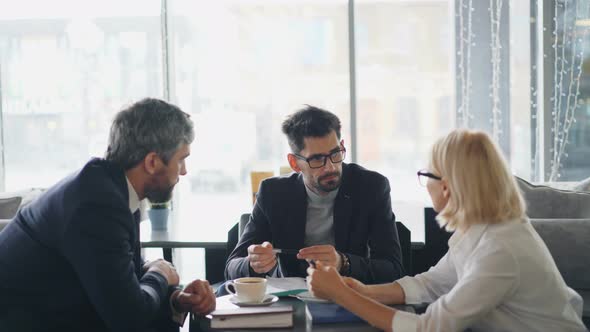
(133, 197)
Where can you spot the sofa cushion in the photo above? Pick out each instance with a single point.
(27, 195)
(544, 202)
(9, 206)
(586, 297)
(567, 241)
(584, 185)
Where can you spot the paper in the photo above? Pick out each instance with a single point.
(285, 286)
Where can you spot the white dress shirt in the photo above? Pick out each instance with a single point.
(495, 277)
(133, 197)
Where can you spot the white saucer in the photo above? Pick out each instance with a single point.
(268, 300)
(307, 297)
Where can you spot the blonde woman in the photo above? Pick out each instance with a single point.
(497, 275)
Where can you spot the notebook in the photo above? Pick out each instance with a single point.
(255, 317)
(322, 313)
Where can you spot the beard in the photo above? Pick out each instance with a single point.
(159, 194)
(330, 185)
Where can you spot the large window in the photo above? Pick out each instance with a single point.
(66, 68)
(405, 84)
(240, 67)
(516, 69)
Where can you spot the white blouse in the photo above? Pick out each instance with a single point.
(495, 277)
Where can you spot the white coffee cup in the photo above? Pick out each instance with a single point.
(250, 289)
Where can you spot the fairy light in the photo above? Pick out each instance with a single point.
(465, 43)
(495, 10)
(561, 127)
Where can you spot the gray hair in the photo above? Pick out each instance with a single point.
(149, 125)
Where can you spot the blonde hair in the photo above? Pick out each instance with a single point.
(482, 189)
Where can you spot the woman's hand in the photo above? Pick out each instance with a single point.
(326, 254)
(324, 281)
(356, 285)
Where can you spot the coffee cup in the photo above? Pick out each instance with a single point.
(250, 289)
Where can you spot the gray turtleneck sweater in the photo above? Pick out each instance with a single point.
(319, 226)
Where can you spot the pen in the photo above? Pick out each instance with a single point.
(286, 251)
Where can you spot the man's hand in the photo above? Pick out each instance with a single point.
(326, 254)
(165, 269)
(261, 257)
(147, 264)
(197, 297)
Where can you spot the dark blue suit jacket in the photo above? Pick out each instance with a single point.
(364, 226)
(70, 261)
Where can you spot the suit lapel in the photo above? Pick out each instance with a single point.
(118, 176)
(343, 210)
(136, 245)
(298, 215)
(292, 232)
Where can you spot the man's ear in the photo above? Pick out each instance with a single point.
(152, 163)
(293, 162)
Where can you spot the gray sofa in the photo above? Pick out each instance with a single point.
(10, 202)
(562, 219)
(8, 208)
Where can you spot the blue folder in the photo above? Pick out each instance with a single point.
(322, 313)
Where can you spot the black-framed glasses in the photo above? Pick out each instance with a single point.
(319, 160)
(424, 175)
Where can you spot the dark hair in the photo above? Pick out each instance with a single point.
(149, 125)
(309, 121)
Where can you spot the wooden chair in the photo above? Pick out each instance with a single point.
(256, 177)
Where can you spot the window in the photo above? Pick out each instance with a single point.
(569, 118)
(399, 73)
(66, 68)
(240, 68)
(406, 118)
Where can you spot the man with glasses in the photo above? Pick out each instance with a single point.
(328, 211)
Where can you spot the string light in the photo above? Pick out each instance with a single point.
(564, 117)
(495, 10)
(465, 43)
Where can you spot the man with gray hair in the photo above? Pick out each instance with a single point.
(70, 261)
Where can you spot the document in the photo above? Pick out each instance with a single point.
(285, 286)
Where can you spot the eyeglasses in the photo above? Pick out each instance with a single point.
(424, 175)
(319, 160)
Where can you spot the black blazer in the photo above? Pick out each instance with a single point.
(364, 226)
(70, 261)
